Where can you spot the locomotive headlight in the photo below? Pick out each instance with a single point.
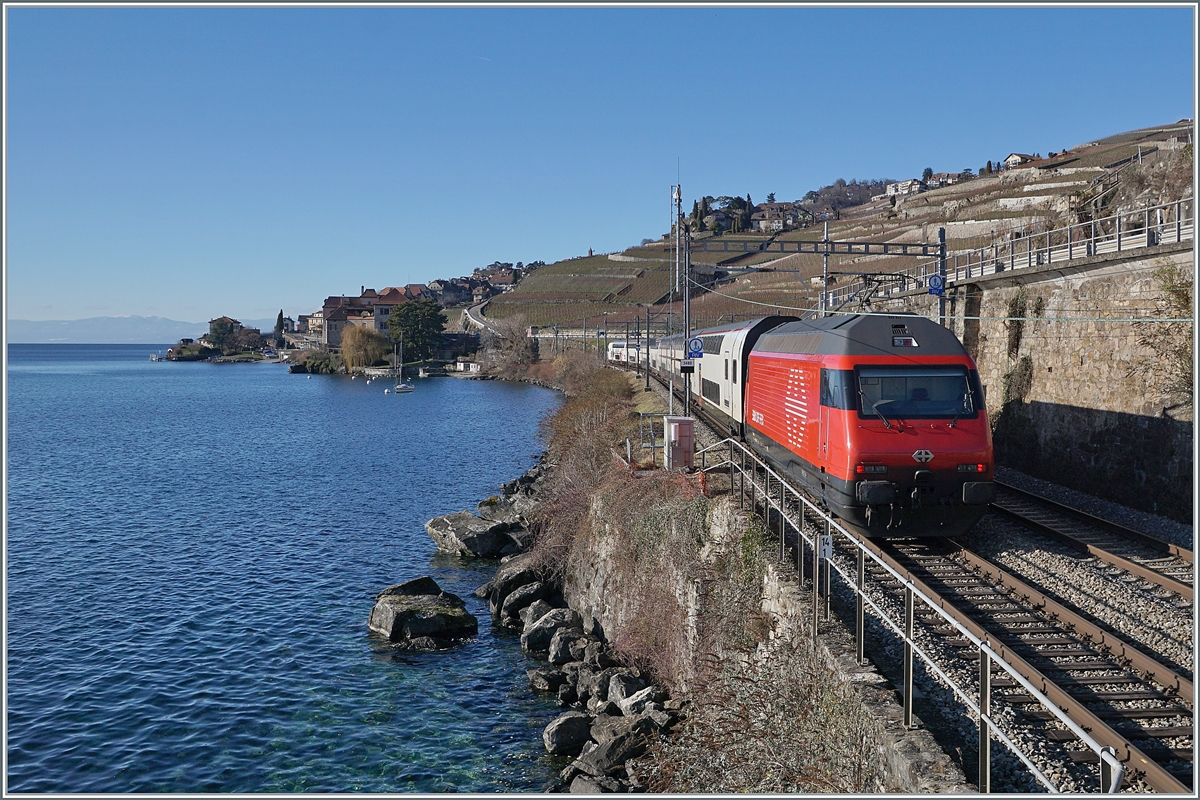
(870, 469)
(972, 467)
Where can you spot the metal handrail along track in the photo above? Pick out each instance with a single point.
(735, 457)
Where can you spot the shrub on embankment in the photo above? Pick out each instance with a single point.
(675, 581)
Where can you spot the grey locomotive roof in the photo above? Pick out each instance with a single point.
(860, 335)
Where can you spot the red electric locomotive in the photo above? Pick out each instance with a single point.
(881, 416)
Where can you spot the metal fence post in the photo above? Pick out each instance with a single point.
(816, 585)
(985, 730)
(1178, 220)
(782, 525)
(1106, 772)
(860, 627)
(800, 546)
(742, 483)
(908, 656)
(1118, 232)
(1070, 245)
(825, 578)
(731, 466)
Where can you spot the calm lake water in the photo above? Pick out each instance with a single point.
(193, 550)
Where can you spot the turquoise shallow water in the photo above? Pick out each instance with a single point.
(192, 553)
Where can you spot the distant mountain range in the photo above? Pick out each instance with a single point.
(113, 330)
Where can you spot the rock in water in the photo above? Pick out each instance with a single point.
(567, 734)
(470, 535)
(419, 615)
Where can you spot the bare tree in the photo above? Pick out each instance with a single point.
(509, 347)
(362, 347)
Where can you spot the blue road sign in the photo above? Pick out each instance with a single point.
(695, 347)
(936, 284)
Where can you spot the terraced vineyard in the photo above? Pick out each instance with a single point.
(976, 214)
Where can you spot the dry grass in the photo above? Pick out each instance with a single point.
(779, 722)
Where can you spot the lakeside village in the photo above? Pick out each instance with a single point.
(368, 332)
(337, 338)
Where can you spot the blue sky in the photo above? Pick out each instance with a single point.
(193, 162)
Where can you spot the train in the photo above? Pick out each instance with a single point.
(881, 417)
(625, 352)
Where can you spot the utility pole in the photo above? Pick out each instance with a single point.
(676, 195)
(942, 272)
(825, 272)
(687, 319)
(647, 348)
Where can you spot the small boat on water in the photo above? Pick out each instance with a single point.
(157, 356)
(401, 387)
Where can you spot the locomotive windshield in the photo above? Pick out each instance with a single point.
(924, 392)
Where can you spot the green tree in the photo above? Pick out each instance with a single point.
(927, 174)
(771, 197)
(419, 325)
(219, 333)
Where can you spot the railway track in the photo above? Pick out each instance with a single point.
(1163, 564)
(1125, 699)
(1122, 696)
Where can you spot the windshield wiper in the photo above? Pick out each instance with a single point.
(875, 408)
(958, 413)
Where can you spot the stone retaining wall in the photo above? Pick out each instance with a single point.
(1064, 402)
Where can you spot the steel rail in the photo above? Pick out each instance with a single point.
(1141, 570)
(1145, 665)
(1156, 776)
(1152, 542)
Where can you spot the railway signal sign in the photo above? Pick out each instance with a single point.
(695, 347)
(686, 366)
(936, 284)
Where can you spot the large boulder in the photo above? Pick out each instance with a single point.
(467, 534)
(499, 508)
(594, 683)
(587, 784)
(623, 684)
(508, 577)
(567, 734)
(560, 645)
(538, 634)
(532, 613)
(608, 758)
(419, 615)
(522, 596)
(640, 701)
(546, 679)
(606, 727)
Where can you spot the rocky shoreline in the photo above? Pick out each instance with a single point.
(611, 711)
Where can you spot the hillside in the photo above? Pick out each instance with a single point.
(1084, 182)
